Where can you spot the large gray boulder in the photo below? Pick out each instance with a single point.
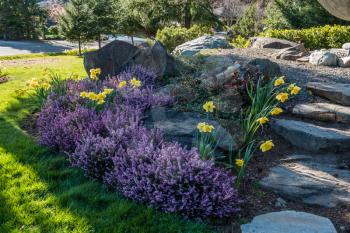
(118, 55)
(289, 222)
(322, 180)
(292, 53)
(193, 47)
(271, 43)
(323, 58)
(181, 127)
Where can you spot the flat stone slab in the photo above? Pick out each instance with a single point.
(181, 127)
(312, 137)
(289, 222)
(336, 92)
(318, 179)
(323, 112)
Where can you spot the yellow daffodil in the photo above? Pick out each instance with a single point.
(295, 90)
(135, 83)
(101, 96)
(46, 85)
(267, 146)
(205, 128)
(108, 91)
(291, 86)
(263, 120)
(209, 106)
(282, 97)
(94, 73)
(84, 94)
(122, 84)
(92, 96)
(98, 71)
(279, 81)
(33, 83)
(276, 111)
(239, 162)
(100, 102)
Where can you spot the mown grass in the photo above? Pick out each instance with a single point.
(40, 192)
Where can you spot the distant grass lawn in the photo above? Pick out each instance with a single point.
(40, 192)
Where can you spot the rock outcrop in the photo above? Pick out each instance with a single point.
(118, 55)
(193, 47)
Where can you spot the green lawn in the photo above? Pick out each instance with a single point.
(39, 192)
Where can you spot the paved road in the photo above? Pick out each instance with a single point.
(29, 47)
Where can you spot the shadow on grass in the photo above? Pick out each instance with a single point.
(42, 193)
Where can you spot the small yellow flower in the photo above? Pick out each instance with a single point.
(84, 94)
(100, 102)
(33, 83)
(101, 96)
(291, 86)
(205, 128)
(267, 146)
(209, 106)
(92, 96)
(135, 83)
(239, 162)
(94, 73)
(46, 85)
(282, 97)
(122, 84)
(295, 90)
(108, 91)
(98, 71)
(276, 111)
(263, 120)
(279, 81)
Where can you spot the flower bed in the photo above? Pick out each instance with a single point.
(98, 123)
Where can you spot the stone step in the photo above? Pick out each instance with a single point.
(336, 92)
(289, 222)
(323, 112)
(312, 137)
(322, 180)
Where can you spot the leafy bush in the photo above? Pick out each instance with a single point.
(173, 36)
(75, 52)
(316, 37)
(113, 145)
(297, 14)
(241, 42)
(249, 25)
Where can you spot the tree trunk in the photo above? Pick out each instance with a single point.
(99, 41)
(132, 40)
(188, 16)
(79, 45)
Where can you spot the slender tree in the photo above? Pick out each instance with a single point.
(103, 19)
(21, 19)
(76, 22)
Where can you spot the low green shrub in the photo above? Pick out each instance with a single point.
(173, 36)
(315, 37)
(241, 42)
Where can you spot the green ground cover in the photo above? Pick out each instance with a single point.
(39, 192)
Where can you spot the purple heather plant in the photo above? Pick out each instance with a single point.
(113, 145)
(61, 128)
(173, 179)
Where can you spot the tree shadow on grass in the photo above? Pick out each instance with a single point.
(53, 197)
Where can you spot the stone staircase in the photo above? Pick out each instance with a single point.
(320, 173)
